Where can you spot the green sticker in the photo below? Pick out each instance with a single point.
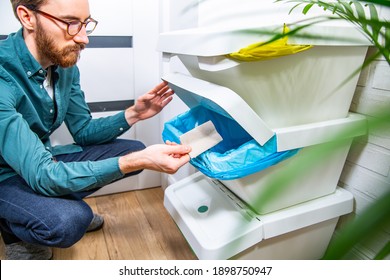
(203, 209)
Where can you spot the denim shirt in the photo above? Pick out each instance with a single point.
(28, 116)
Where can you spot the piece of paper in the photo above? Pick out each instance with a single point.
(201, 138)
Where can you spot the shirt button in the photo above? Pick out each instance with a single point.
(51, 111)
(48, 148)
(40, 71)
(41, 86)
(121, 129)
(29, 73)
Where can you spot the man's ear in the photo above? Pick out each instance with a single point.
(26, 17)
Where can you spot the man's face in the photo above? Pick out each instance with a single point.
(49, 48)
(54, 44)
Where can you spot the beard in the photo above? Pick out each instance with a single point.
(47, 48)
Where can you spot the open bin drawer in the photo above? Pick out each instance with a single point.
(241, 127)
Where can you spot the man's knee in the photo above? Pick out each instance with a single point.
(65, 228)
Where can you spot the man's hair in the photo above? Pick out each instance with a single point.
(31, 4)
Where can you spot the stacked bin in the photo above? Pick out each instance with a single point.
(300, 101)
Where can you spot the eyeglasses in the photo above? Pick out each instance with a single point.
(74, 26)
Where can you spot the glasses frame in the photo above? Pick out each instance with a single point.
(69, 23)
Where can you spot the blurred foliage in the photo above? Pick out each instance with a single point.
(365, 16)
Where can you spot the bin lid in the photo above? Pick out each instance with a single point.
(215, 41)
(222, 100)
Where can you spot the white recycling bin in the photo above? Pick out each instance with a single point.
(301, 102)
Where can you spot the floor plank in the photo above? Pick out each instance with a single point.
(136, 227)
(129, 235)
(163, 226)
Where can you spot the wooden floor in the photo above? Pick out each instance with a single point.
(137, 227)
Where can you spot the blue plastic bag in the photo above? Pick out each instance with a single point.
(237, 156)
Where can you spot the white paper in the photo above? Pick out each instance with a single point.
(201, 138)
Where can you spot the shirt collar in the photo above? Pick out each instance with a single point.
(30, 65)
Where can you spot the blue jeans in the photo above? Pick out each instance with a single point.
(53, 221)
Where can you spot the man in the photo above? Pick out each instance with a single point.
(41, 187)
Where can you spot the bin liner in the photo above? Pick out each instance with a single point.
(268, 50)
(236, 156)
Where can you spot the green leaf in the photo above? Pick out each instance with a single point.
(369, 222)
(293, 8)
(359, 10)
(373, 12)
(307, 8)
(385, 3)
(383, 253)
(387, 38)
(347, 8)
(376, 26)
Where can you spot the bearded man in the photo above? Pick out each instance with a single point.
(42, 186)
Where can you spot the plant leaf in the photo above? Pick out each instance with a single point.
(374, 18)
(347, 8)
(307, 8)
(373, 218)
(383, 253)
(359, 10)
